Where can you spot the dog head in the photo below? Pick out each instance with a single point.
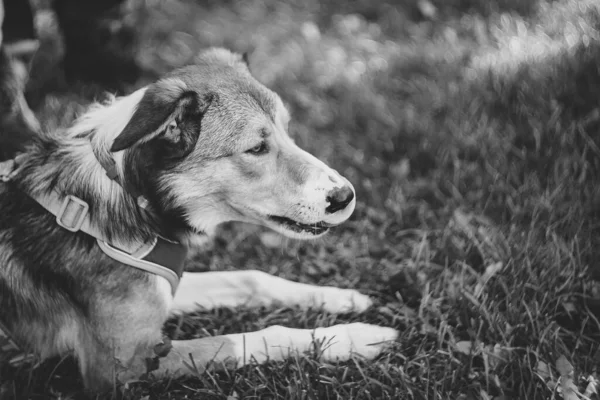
(209, 144)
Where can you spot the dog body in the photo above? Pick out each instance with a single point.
(205, 145)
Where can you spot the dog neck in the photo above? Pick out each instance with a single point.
(69, 162)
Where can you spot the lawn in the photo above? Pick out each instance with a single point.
(469, 129)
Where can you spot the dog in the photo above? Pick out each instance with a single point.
(166, 164)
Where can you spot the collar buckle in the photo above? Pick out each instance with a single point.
(72, 213)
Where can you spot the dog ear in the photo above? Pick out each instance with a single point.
(173, 116)
(246, 59)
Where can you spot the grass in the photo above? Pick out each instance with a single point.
(469, 129)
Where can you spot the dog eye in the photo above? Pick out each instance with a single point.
(258, 149)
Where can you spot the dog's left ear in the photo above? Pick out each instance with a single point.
(172, 115)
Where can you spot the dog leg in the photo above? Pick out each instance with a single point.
(275, 343)
(256, 288)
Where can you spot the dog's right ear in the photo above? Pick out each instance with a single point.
(246, 59)
(169, 110)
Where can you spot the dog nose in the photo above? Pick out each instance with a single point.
(339, 198)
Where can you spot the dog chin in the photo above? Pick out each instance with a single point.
(299, 235)
(297, 230)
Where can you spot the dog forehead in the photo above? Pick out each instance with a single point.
(233, 86)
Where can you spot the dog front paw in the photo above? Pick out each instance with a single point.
(340, 342)
(338, 301)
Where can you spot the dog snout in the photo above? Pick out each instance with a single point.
(339, 198)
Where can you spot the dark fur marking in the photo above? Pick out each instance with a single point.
(147, 161)
(153, 112)
(146, 164)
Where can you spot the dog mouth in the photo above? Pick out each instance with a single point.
(316, 228)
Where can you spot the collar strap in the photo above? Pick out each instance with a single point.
(158, 255)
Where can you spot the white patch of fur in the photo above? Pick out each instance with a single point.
(204, 212)
(206, 218)
(319, 185)
(324, 179)
(106, 121)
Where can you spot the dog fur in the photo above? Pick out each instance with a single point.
(205, 145)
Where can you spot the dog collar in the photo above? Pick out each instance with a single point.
(158, 255)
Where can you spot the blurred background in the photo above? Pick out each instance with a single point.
(469, 129)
